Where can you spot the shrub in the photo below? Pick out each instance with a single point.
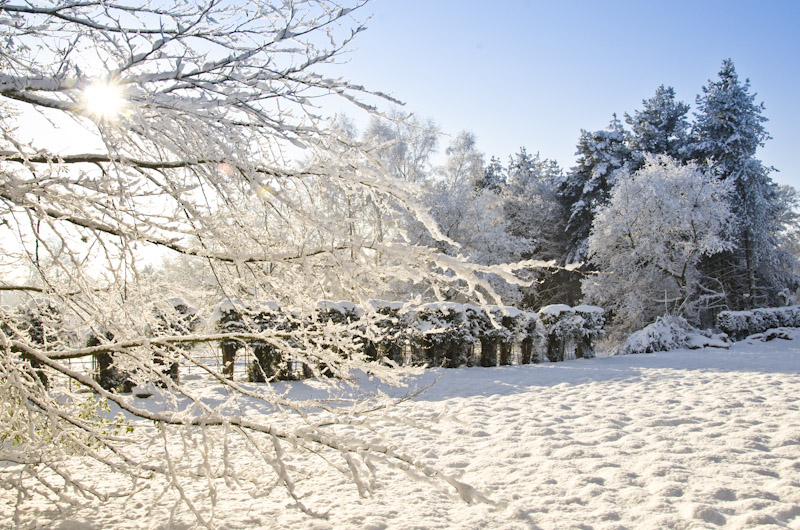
(740, 324)
(442, 335)
(665, 334)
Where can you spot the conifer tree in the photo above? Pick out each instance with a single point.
(660, 128)
(532, 210)
(601, 155)
(728, 131)
(494, 176)
(530, 203)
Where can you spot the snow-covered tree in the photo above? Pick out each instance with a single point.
(471, 216)
(587, 186)
(189, 129)
(648, 241)
(532, 210)
(531, 204)
(494, 176)
(404, 144)
(729, 129)
(789, 237)
(660, 128)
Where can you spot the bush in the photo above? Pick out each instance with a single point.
(741, 324)
(591, 329)
(665, 334)
(386, 332)
(564, 330)
(42, 323)
(442, 334)
(669, 333)
(174, 317)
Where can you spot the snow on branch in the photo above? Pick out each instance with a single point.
(157, 158)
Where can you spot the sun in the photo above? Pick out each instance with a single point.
(104, 99)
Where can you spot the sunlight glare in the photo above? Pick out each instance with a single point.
(104, 99)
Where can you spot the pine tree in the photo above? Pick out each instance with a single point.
(601, 154)
(660, 128)
(532, 210)
(728, 131)
(530, 203)
(494, 176)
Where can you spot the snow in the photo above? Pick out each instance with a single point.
(705, 438)
(377, 305)
(583, 308)
(555, 309)
(243, 306)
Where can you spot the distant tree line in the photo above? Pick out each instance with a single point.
(660, 214)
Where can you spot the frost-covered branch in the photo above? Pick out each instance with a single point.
(156, 159)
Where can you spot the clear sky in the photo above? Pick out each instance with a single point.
(534, 73)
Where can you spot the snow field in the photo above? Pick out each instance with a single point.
(685, 439)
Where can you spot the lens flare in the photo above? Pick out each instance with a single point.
(104, 100)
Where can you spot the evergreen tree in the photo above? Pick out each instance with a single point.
(601, 155)
(532, 210)
(531, 206)
(729, 129)
(494, 176)
(660, 128)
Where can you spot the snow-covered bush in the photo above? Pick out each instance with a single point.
(386, 331)
(564, 331)
(665, 334)
(571, 330)
(740, 324)
(670, 333)
(40, 323)
(239, 320)
(591, 329)
(268, 363)
(229, 317)
(482, 331)
(108, 375)
(532, 337)
(735, 323)
(504, 333)
(173, 317)
(336, 330)
(441, 335)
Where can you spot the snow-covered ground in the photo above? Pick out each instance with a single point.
(684, 439)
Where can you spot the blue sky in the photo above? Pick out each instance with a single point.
(533, 73)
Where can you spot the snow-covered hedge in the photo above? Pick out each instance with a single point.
(446, 333)
(40, 322)
(441, 335)
(435, 334)
(740, 324)
(251, 316)
(385, 332)
(173, 317)
(281, 339)
(571, 331)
